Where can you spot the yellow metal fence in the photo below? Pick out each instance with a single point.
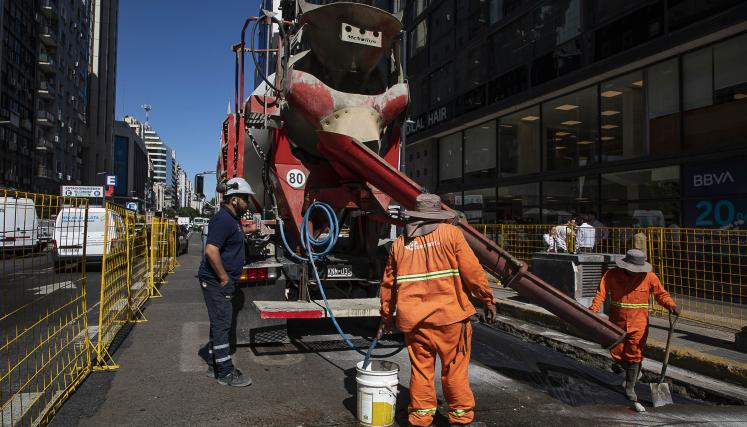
(54, 332)
(704, 269)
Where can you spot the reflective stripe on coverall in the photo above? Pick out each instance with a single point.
(428, 281)
(629, 309)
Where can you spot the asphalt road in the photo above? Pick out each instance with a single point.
(312, 383)
(42, 329)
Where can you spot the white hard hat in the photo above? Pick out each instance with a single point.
(238, 186)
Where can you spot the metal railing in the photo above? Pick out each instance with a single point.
(55, 332)
(44, 351)
(705, 270)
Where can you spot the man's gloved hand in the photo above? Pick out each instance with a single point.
(490, 313)
(676, 310)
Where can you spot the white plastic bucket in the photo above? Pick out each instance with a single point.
(377, 392)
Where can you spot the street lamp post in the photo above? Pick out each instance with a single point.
(103, 195)
(201, 194)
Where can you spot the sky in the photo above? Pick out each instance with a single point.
(176, 56)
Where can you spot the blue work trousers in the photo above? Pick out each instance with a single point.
(220, 311)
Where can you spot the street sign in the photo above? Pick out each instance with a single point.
(82, 191)
(111, 180)
(132, 206)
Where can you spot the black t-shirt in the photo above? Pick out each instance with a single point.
(224, 232)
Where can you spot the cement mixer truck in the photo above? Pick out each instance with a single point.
(319, 141)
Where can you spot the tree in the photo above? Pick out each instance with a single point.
(190, 212)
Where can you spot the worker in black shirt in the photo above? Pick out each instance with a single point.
(220, 268)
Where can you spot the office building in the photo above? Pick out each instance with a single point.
(130, 165)
(163, 160)
(98, 150)
(18, 93)
(531, 111)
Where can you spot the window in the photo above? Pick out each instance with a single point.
(452, 200)
(418, 38)
(479, 205)
(480, 151)
(697, 79)
(519, 142)
(519, 203)
(715, 95)
(571, 130)
(663, 99)
(564, 198)
(441, 85)
(642, 197)
(450, 155)
(622, 118)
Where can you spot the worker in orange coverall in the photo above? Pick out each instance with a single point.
(429, 277)
(630, 287)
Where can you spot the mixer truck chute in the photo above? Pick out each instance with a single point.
(323, 129)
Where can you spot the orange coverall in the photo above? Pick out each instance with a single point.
(630, 296)
(428, 280)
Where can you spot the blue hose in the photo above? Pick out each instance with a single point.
(326, 244)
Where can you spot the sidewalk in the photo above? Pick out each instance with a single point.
(702, 361)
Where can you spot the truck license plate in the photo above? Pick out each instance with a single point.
(339, 271)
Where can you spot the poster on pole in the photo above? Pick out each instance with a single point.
(82, 191)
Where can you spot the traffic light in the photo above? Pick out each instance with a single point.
(199, 184)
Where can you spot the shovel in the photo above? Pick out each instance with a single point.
(660, 393)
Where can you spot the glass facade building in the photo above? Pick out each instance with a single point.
(633, 112)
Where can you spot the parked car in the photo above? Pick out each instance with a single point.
(182, 236)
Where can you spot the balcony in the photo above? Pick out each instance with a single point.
(44, 118)
(48, 36)
(43, 172)
(49, 8)
(46, 63)
(8, 117)
(46, 90)
(42, 144)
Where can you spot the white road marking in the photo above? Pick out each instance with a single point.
(48, 289)
(194, 336)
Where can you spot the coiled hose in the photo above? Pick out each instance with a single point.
(325, 245)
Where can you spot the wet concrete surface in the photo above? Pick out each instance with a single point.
(162, 380)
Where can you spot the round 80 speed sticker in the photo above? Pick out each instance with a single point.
(295, 178)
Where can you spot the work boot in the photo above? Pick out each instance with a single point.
(210, 372)
(235, 379)
(631, 377)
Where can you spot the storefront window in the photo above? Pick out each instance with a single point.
(452, 200)
(519, 142)
(479, 206)
(479, 152)
(646, 197)
(571, 130)
(450, 158)
(519, 204)
(622, 118)
(566, 198)
(663, 101)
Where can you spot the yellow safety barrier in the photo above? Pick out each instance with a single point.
(45, 349)
(116, 279)
(705, 270)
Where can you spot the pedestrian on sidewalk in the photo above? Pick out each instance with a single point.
(430, 275)
(586, 236)
(630, 287)
(220, 268)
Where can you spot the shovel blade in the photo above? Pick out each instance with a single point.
(660, 394)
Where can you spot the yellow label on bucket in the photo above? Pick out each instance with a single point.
(382, 414)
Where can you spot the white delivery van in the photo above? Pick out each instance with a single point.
(199, 222)
(70, 228)
(20, 225)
